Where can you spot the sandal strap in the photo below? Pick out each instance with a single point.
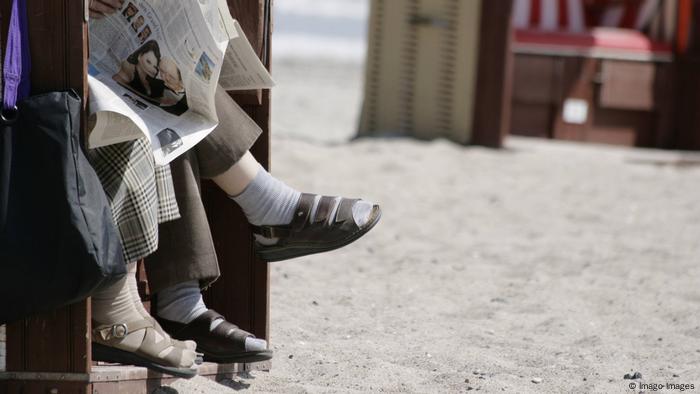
(120, 330)
(324, 209)
(155, 342)
(299, 221)
(302, 215)
(271, 231)
(345, 210)
(303, 211)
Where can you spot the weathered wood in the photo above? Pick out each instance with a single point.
(687, 99)
(242, 292)
(665, 101)
(55, 341)
(492, 106)
(42, 387)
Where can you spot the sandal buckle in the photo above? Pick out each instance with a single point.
(119, 330)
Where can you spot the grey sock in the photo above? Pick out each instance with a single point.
(181, 303)
(268, 201)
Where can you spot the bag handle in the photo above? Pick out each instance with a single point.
(17, 64)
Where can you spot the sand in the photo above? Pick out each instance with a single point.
(543, 267)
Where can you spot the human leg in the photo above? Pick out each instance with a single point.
(122, 334)
(269, 204)
(186, 261)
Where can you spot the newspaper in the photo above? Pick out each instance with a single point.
(154, 69)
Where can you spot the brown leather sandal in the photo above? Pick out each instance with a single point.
(225, 344)
(304, 236)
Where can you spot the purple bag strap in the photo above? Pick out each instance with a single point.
(17, 64)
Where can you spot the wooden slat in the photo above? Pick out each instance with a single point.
(665, 98)
(532, 120)
(492, 107)
(627, 85)
(59, 57)
(533, 79)
(30, 387)
(242, 292)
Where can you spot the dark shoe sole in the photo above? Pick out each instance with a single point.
(113, 355)
(279, 253)
(245, 357)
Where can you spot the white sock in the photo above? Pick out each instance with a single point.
(267, 200)
(361, 212)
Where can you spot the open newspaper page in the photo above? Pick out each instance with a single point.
(242, 69)
(154, 69)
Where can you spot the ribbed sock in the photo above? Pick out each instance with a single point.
(115, 304)
(267, 200)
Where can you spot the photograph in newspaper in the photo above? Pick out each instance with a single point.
(144, 81)
(156, 79)
(154, 70)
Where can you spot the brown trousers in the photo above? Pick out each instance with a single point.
(185, 247)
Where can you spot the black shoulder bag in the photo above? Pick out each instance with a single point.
(58, 241)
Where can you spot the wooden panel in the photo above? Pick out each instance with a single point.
(688, 97)
(627, 85)
(29, 387)
(532, 120)
(533, 78)
(242, 292)
(492, 107)
(567, 72)
(59, 57)
(665, 100)
(624, 136)
(621, 127)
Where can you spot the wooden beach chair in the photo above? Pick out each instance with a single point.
(607, 79)
(438, 68)
(51, 353)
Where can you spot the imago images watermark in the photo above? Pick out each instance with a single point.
(661, 386)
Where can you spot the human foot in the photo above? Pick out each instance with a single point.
(140, 343)
(288, 223)
(136, 297)
(121, 334)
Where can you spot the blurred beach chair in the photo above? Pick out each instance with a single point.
(604, 71)
(438, 68)
(51, 353)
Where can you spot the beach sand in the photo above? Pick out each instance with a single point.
(543, 267)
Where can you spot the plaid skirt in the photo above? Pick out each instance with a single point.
(141, 194)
